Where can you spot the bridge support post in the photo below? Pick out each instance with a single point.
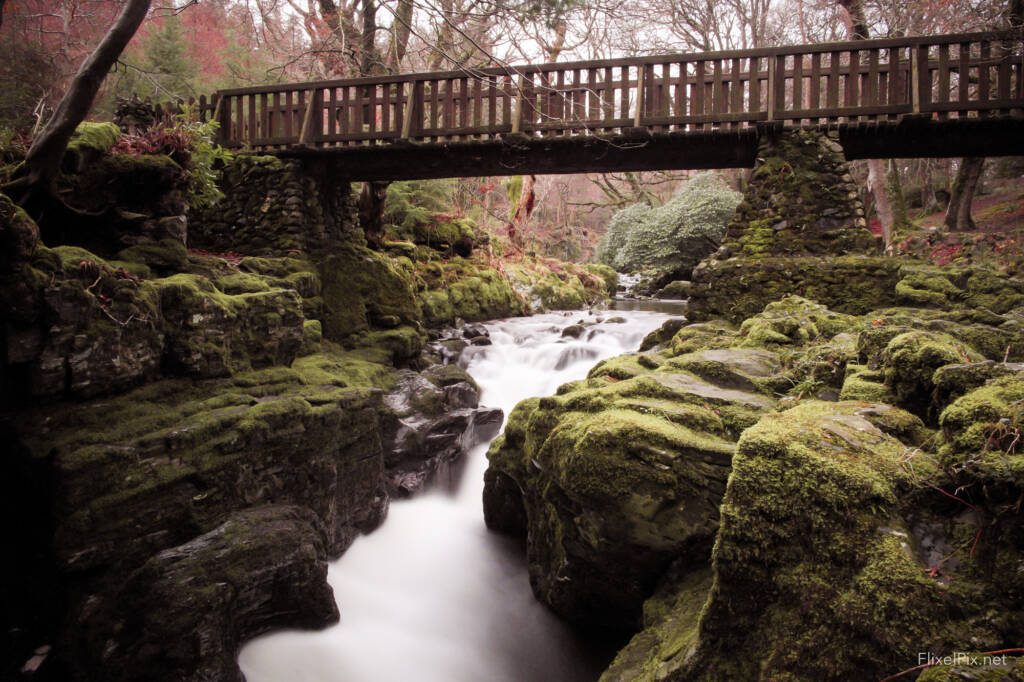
(517, 105)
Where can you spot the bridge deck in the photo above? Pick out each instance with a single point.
(946, 95)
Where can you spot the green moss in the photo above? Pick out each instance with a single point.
(910, 359)
(363, 289)
(982, 430)
(812, 577)
(861, 383)
(90, 141)
(167, 255)
(793, 320)
(404, 343)
(703, 336)
(242, 283)
(670, 631)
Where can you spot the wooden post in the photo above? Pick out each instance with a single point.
(915, 80)
(771, 88)
(640, 99)
(312, 122)
(517, 106)
(410, 93)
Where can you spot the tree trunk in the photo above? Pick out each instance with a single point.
(894, 185)
(400, 32)
(371, 211)
(857, 29)
(961, 195)
(523, 210)
(883, 208)
(43, 160)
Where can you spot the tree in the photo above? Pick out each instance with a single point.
(42, 162)
(878, 179)
(961, 193)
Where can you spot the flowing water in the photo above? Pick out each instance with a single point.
(432, 596)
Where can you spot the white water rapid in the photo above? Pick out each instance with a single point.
(432, 596)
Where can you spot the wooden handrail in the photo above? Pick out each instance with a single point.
(947, 76)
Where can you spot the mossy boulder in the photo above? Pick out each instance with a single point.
(814, 575)
(617, 476)
(90, 141)
(210, 333)
(982, 433)
(793, 321)
(910, 360)
(363, 290)
(467, 289)
(739, 287)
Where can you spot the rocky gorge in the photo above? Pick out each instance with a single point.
(196, 423)
(814, 475)
(817, 478)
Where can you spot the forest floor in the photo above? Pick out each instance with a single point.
(998, 241)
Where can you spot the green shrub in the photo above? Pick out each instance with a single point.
(674, 237)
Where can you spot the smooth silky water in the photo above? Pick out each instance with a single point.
(432, 595)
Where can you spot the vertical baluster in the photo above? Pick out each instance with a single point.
(1003, 72)
(853, 83)
(984, 79)
(779, 89)
(345, 114)
(754, 101)
(492, 105)
(814, 90)
(717, 100)
(871, 96)
(963, 79)
(477, 94)
(625, 87)
(894, 91)
(924, 79)
(510, 94)
(798, 84)
(288, 115)
(736, 91)
(463, 114)
(698, 91)
(942, 94)
(332, 112)
(386, 102)
(253, 135)
(275, 127)
(834, 65)
(679, 103)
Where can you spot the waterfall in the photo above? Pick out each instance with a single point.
(432, 595)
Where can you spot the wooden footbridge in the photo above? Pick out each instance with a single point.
(930, 96)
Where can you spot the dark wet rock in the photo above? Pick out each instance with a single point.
(678, 290)
(435, 417)
(573, 331)
(183, 615)
(480, 341)
(472, 331)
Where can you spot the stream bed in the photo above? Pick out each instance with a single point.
(432, 595)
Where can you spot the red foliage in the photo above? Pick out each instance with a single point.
(232, 258)
(944, 254)
(173, 142)
(875, 225)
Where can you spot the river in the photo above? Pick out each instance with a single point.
(432, 595)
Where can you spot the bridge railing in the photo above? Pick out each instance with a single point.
(947, 76)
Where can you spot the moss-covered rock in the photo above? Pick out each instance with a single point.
(620, 474)
(814, 576)
(90, 141)
(364, 289)
(738, 287)
(982, 432)
(793, 320)
(910, 359)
